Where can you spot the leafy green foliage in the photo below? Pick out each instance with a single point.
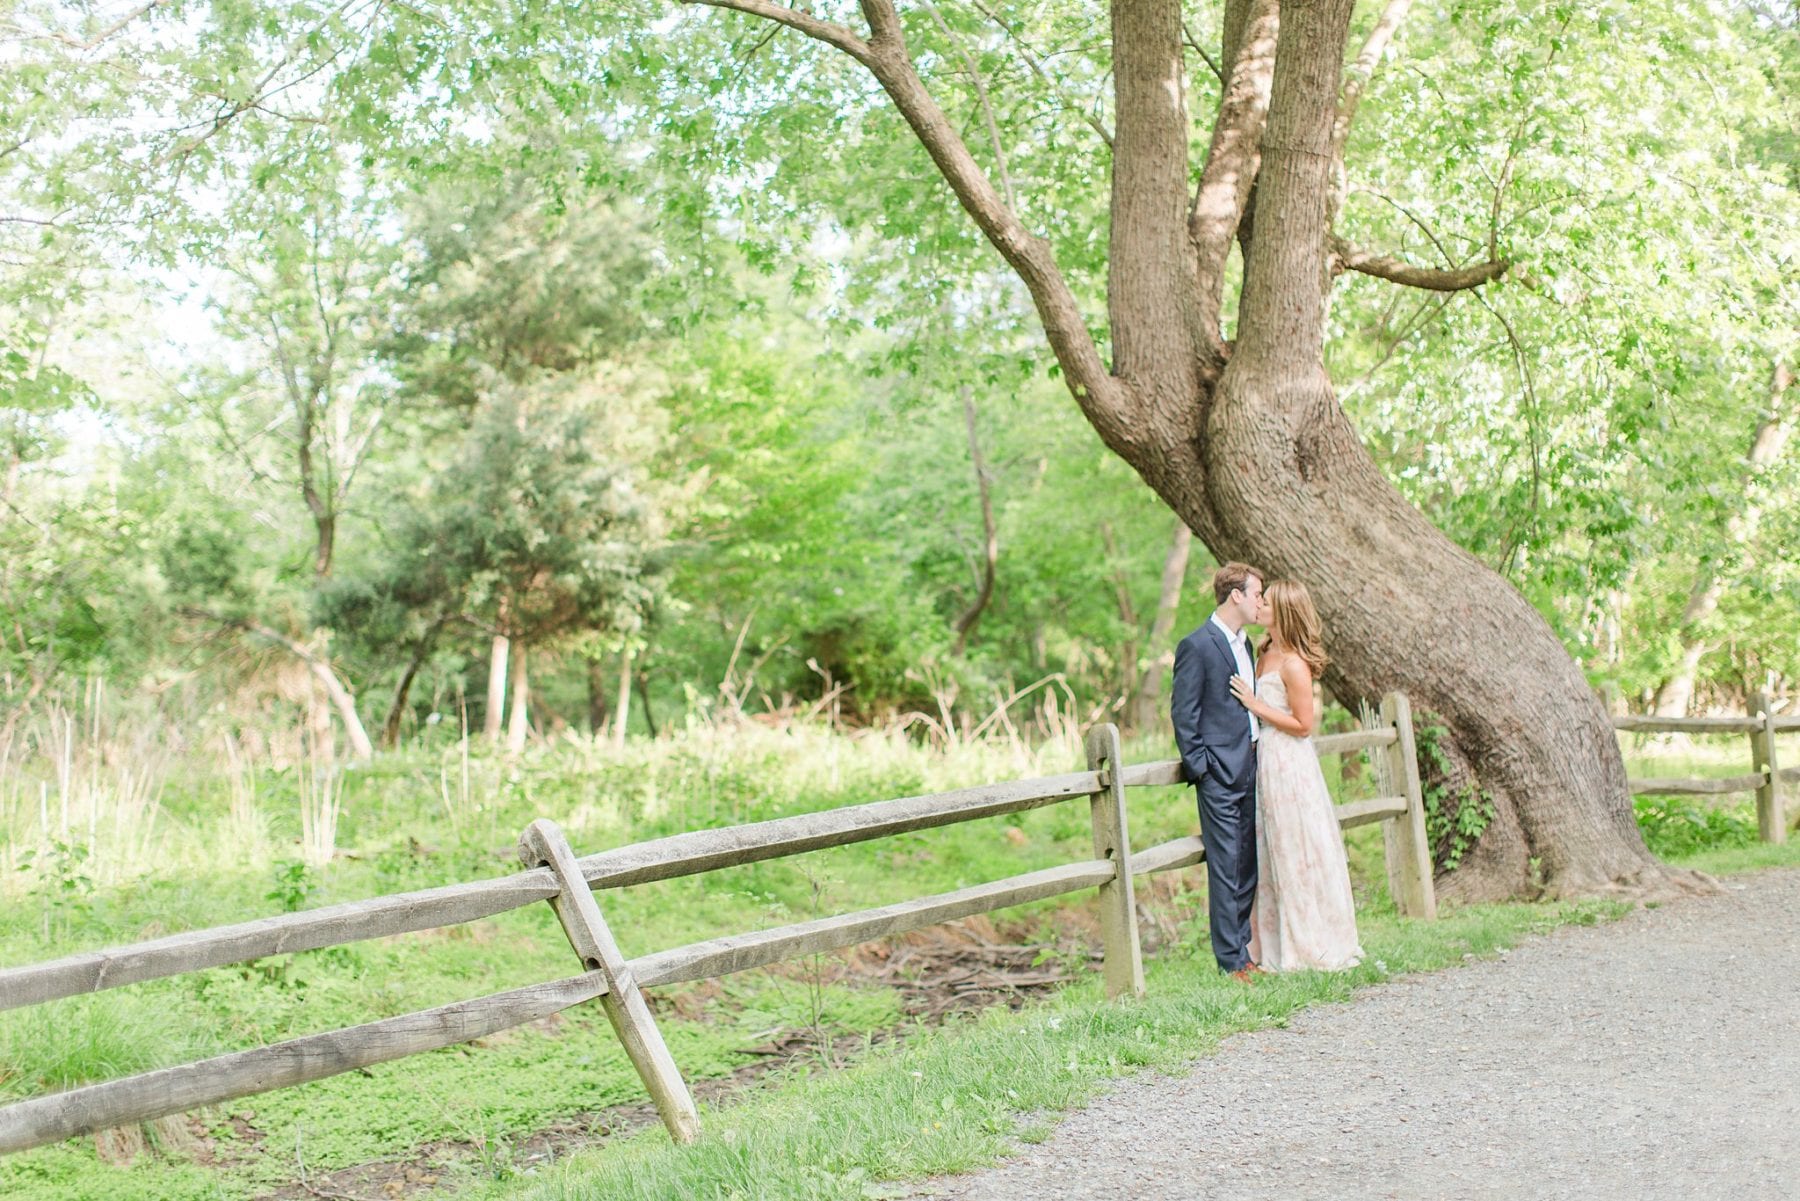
(1678, 827)
(1455, 819)
(294, 885)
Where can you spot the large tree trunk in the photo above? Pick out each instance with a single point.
(1291, 488)
(1248, 444)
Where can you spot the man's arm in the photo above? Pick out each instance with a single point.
(1184, 706)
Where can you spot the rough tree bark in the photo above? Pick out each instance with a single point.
(1677, 692)
(1247, 442)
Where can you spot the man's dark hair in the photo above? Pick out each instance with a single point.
(1233, 577)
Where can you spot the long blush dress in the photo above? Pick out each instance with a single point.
(1304, 915)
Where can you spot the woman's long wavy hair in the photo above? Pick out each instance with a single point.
(1291, 614)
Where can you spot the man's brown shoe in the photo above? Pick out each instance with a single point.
(1244, 975)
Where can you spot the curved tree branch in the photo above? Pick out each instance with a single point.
(1358, 74)
(829, 32)
(1194, 45)
(987, 108)
(1345, 257)
(1102, 399)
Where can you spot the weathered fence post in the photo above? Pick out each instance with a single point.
(1124, 965)
(1408, 849)
(1771, 822)
(544, 845)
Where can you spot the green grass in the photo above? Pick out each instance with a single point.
(955, 1098)
(412, 822)
(963, 1097)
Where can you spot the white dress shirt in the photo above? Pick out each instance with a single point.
(1240, 650)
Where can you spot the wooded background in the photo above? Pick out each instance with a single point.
(371, 369)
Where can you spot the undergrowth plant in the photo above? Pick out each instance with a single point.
(1454, 818)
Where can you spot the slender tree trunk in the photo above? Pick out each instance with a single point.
(1147, 701)
(325, 526)
(643, 694)
(345, 704)
(390, 730)
(622, 714)
(496, 689)
(1677, 692)
(333, 688)
(519, 725)
(597, 702)
(320, 738)
(965, 624)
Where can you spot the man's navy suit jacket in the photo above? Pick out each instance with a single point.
(1212, 727)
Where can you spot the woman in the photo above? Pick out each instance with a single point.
(1304, 915)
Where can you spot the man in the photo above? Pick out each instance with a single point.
(1217, 739)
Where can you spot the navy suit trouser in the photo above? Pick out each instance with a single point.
(1228, 831)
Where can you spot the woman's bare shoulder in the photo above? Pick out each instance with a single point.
(1294, 671)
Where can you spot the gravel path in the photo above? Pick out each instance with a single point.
(1653, 1057)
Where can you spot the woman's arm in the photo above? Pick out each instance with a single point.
(1298, 678)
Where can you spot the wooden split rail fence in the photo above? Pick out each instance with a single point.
(1766, 779)
(555, 874)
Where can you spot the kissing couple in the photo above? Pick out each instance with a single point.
(1278, 885)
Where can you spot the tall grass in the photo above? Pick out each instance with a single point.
(72, 776)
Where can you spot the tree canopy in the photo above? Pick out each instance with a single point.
(652, 323)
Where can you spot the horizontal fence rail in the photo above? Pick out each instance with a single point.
(455, 904)
(1766, 779)
(1707, 785)
(555, 875)
(309, 930)
(1643, 724)
(156, 1094)
(740, 952)
(709, 850)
